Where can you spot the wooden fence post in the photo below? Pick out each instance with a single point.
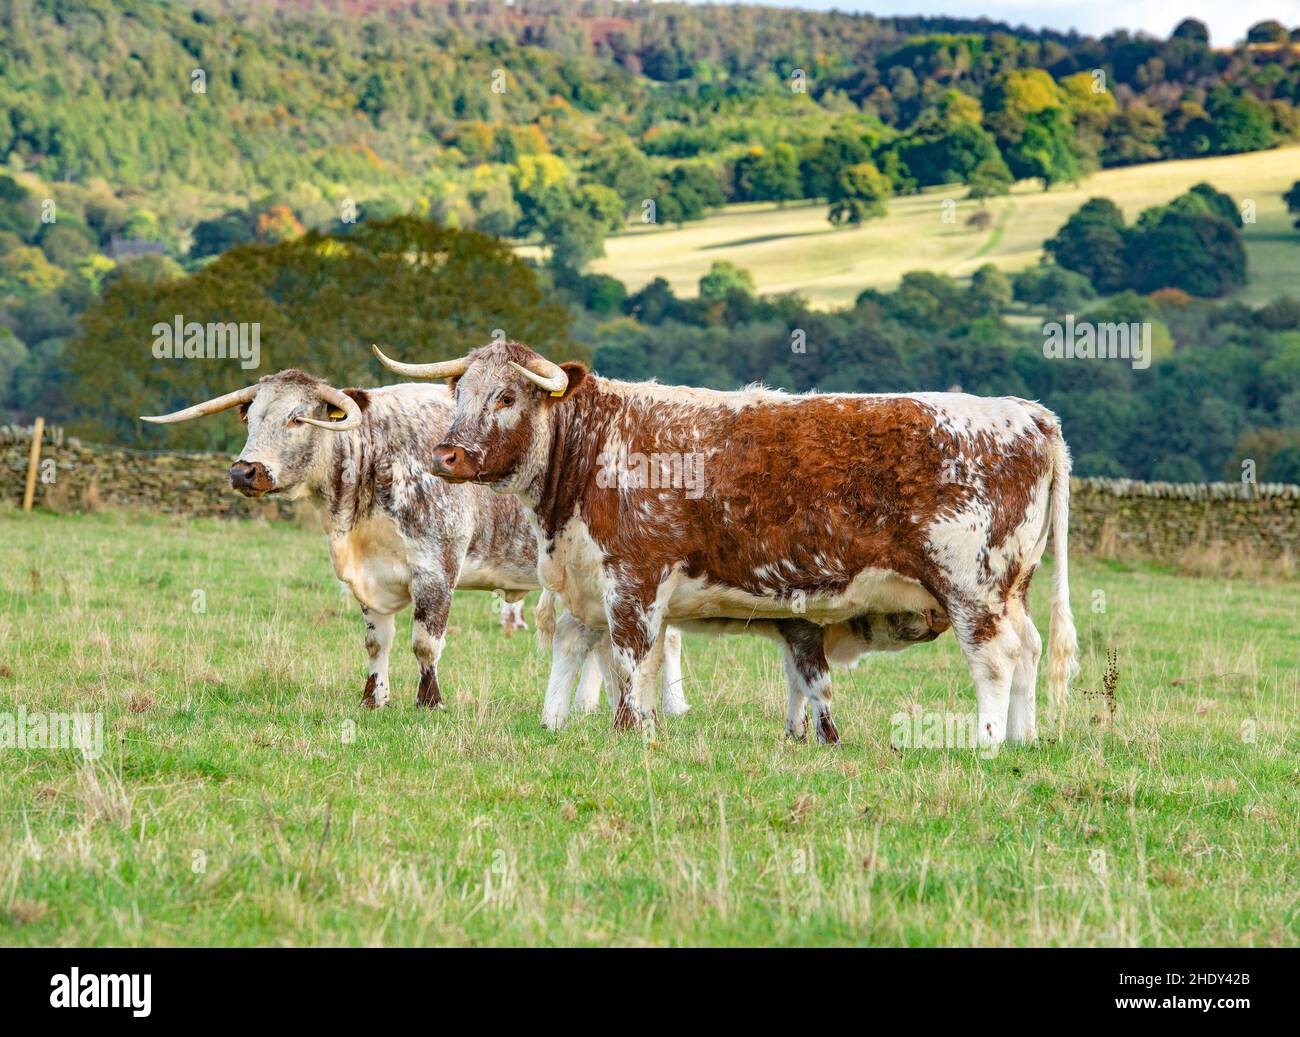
(38, 430)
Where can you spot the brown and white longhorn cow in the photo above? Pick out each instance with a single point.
(656, 504)
(397, 535)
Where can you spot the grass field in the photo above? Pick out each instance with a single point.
(243, 797)
(796, 249)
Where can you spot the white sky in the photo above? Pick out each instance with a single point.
(1228, 19)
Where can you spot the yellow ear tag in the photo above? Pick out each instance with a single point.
(337, 413)
(560, 393)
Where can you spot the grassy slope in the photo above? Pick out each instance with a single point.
(227, 737)
(796, 249)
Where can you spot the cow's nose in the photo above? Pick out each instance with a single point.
(452, 462)
(245, 475)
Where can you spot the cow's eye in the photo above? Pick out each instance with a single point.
(505, 400)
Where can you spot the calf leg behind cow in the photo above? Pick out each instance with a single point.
(809, 677)
(380, 629)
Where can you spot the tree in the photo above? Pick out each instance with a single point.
(215, 236)
(602, 204)
(950, 155)
(1050, 285)
(12, 354)
(1292, 200)
(423, 290)
(1029, 117)
(723, 279)
(1046, 149)
(768, 174)
(1134, 134)
(626, 170)
(151, 268)
(64, 243)
(688, 192)
(990, 290)
(859, 194)
(277, 224)
(1239, 124)
(16, 208)
(1201, 253)
(1191, 29)
(1209, 199)
(1091, 107)
(1092, 243)
(575, 239)
(1187, 131)
(991, 178)
(1267, 32)
(824, 161)
(25, 273)
(602, 293)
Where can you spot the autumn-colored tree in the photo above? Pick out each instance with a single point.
(278, 224)
(423, 291)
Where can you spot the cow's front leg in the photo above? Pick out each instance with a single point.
(809, 677)
(380, 628)
(431, 595)
(636, 656)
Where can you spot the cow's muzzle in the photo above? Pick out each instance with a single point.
(453, 463)
(251, 478)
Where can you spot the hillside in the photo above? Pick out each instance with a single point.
(795, 249)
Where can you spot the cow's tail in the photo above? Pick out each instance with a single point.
(1062, 641)
(544, 617)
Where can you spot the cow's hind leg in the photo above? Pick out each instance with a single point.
(569, 652)
(380, 628)
(809, 678)
(1022, 714)
(586, 699)
(991, 643)
(674, 698)
(432, 598)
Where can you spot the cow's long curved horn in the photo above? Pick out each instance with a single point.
(345, 403)
(550, 377)
(213, 406)
(441, 369)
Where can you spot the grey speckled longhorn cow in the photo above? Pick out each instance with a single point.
(397, 534)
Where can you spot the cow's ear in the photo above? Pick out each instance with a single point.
(577, 375)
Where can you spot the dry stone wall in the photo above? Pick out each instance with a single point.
(1156, 520)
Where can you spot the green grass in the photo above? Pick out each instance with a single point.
(796, 249)
(228, 746)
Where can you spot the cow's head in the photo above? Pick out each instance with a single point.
(500, 434)
(284, 413)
